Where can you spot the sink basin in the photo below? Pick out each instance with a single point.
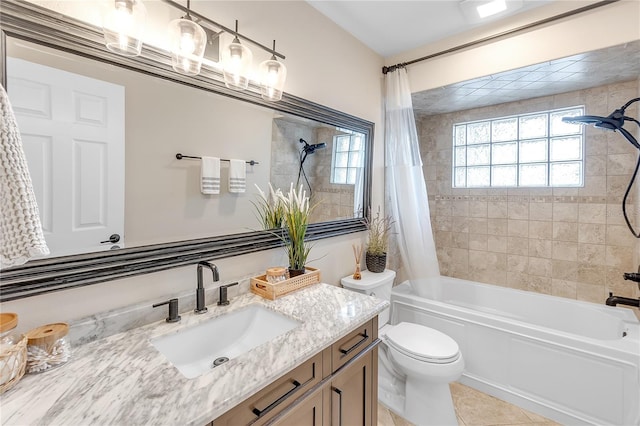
(198, 349)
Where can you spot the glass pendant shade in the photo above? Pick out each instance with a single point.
(188, 41)
(123, 27)
(236, 65)
(272, 77)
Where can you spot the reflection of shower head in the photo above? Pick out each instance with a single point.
(614, 121)
(310, 149)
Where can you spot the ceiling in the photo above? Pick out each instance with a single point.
(582, 71)
(390, 27)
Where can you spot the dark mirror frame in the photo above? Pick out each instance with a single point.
(33, 23)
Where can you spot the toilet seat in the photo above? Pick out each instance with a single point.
(422, 343)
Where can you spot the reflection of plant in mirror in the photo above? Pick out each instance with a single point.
(270, 209)
(379, 229)
(296, 218)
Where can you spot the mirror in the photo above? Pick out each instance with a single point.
(165, 218)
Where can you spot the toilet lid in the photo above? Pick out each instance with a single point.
(423, 343)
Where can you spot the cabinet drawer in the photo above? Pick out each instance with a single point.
(275, 397)
(352, 344)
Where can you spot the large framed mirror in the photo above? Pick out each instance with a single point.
(163, 119)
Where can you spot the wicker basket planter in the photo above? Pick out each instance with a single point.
(13, 361)
(272, 291)
(376, 262)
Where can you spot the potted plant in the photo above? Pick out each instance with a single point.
(296, 211)
(270, 208)
(379, 228)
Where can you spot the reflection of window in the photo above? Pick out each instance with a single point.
(533, 150)
(347, 157)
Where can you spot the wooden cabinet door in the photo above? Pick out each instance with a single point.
(307, 413)
(351, 394)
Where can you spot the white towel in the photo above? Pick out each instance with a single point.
(237, 176)
(210, 175)
(21, 236)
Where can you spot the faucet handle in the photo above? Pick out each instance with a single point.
(173, 310)
(223, 300)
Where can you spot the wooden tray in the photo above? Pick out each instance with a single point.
(261, 287)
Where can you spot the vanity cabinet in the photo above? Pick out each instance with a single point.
(336, 387)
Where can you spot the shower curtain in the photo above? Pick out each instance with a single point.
(406, 190)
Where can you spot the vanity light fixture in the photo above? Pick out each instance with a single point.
(123, 27)
(272, 77)
(236, 64)
(188, 41)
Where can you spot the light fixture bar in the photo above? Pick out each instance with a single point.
(222, 27)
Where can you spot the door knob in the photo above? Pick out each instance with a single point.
(114, 238)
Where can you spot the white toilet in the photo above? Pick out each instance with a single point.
(416, 363)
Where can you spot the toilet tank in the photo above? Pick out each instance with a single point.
(373, 284)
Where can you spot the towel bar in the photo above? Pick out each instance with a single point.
(180, 157)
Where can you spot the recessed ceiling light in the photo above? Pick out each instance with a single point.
(491, 8)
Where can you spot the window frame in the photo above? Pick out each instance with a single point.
(351, 135)
(518, 163)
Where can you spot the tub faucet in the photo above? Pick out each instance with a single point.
(619, 300)
(200, 305)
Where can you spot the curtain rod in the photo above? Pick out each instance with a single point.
(392, 68)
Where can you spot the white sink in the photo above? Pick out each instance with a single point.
(194, 349)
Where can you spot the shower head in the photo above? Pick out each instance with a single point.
(614, 121)
(310, 149)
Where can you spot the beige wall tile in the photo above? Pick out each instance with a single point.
(540, 230)
(591, 233)
(591, 274)
(594, 185)
(497, 243)
(461, 224)
(565, 270)
(497, 209)
(518, 228)
(617, 185)
(518, 245)
(517, 263)
(595, 165)
(478, 208)
(497, 226)
(619, 256)
(565, 231)
(540, 267)
(563, 288)
(478, 225)
(565, 251)
(541, 211)
(518, 210)
(619, 235)
(478, 241)
(590, 292)
(540, 248)
(539, 285)
(517, 280)
(592, 213)
(565, 212)
(592, 253)
(460, 240)
(621, 164)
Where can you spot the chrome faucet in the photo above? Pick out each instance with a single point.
(200, 305)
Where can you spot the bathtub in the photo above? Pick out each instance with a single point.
(571, 361)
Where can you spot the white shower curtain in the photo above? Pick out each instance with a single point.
(406, 194)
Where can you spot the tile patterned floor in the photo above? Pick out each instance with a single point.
(474, 408)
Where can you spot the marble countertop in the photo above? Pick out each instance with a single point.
(123, 379)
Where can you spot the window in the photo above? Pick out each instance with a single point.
(529, 150)
(347, 157)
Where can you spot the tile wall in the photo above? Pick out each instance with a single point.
(569, 242)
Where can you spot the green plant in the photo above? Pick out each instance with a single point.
(379, 228)
(296, 219)
(270, 209)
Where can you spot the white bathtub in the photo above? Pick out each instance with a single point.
(573, 362)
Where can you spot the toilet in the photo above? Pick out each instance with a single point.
(416, 363)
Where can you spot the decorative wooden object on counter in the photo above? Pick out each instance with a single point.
(272, 291)
(47, 347)
(13, 352)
